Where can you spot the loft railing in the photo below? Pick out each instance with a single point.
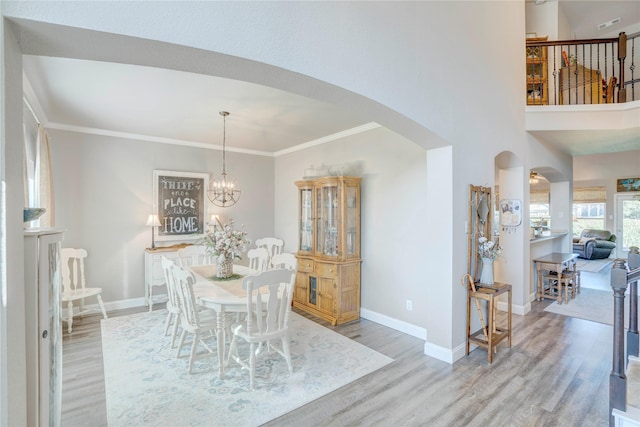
(591, 71)
(621, 278)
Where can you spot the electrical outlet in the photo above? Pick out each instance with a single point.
(409, 305)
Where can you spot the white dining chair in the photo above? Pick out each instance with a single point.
(273, 245)
(201, 323)
(194, 255)
(285, 260)
(173, 305)
(258, 259)
(268, 314)
(74, 285)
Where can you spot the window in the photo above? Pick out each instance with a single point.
(539, 215)
(589, 205)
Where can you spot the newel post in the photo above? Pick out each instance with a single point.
(617, 378)
(622, 54)
(633, 347)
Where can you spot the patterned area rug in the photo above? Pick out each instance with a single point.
(593, 266)
(147, 385)
(591, 304)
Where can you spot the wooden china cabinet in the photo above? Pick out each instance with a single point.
(328, 277)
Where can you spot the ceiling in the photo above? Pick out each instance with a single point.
(170, 106)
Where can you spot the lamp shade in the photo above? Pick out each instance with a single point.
(153, 221)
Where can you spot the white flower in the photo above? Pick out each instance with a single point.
(488, 248)
(226, 244)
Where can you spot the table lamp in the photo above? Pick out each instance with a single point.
(153, 221)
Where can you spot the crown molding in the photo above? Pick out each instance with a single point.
(329, 138)
(185, 143)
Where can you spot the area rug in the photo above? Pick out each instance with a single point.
(594, 265)
(146, 385)
(590, 304)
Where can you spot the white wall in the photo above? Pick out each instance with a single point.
(11, 233)
(378, 58)
(103, 193)
(393, 211)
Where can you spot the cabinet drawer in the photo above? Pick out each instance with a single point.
(306, 265)
(327, 270)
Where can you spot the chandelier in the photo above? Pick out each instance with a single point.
(533, 178)
(225, 190)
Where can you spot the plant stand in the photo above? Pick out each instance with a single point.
(490, 334)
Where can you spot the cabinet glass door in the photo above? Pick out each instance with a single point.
(327, 221)
(306, 220)
(352, 221)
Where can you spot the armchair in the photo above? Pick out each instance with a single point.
(594, 244)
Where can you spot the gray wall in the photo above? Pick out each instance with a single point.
(394, 182)
(103, 192)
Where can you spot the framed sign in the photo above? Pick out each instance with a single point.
(179, 200)
(628, 184)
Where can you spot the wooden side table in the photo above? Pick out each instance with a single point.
(490, 334)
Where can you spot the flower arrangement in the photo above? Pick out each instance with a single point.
(225, 242)
(488, 248)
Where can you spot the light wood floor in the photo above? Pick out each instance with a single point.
(555, 374)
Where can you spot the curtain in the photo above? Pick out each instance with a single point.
(25, 168)
(590, 195)
(44, 179)
(539, 197)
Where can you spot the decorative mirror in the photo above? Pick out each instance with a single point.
(479, 224)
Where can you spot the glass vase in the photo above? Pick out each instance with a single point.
(224, 269)
(486, 276)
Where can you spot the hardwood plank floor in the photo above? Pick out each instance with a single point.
(555, 374)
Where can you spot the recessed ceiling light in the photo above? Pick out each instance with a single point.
(608, 24)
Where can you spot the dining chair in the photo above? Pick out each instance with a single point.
(285, 260)
(273, 245)
(74, 285)
(258, 259)
(173, 306)
(193, 319)
(268, 314)
(194, 255)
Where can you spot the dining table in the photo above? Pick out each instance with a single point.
(224, 296)
(555, 261)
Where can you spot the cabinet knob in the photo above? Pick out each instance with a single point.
(331, 270)
(45, 333)
(308, 265)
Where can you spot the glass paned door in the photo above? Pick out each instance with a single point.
(327, 220)
(627, 223)
(352, 221)
(306, 219)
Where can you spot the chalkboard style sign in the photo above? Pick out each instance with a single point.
(180, 203)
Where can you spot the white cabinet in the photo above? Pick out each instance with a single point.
(153, 274)
(43, 281)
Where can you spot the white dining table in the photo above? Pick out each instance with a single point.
(223, 296)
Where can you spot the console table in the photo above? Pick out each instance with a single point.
(153, 274)
(489, 335)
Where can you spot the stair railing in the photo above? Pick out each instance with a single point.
(573, 63)
(621, 278)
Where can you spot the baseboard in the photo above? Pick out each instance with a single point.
(446, 354)
(116, 305)
(520, 310)
(432, 350)
(398, 325)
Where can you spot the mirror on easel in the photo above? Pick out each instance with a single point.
(480, 222)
